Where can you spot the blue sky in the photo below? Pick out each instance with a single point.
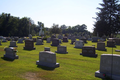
(68, 12)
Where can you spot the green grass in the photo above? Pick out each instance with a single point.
(73, 66)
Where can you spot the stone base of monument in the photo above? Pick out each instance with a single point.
(101, 49)
(47, 64)
(100, 75)
(117, 50)
(11, 57)
(4, 41)
(55, 45)
(27, 48)
(46, 49)
(78, 47)
(13, 46)
(61, 52)
(38, 44)
(89, 55)
(94, 41)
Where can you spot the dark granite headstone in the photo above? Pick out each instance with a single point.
(101, 46)
(29, 44)
(65, 39)
(55, 42)
(88, 51)
(111, 43)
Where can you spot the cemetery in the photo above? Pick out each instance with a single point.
(82, 44)
(46, 61)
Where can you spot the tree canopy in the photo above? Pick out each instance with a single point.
(108, 18)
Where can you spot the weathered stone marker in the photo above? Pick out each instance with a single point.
(109, 62)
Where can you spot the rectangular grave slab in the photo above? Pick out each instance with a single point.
(61, 49)
(88, 51)
(109, 63)
(48, 59)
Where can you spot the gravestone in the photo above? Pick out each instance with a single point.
(117, 41)
(79, 44)
(48, 40)
(16, 38)
(65, 39)
(109, 63)
(101, 46)
(55, 42)
(52, 37)
(46, 49)
(20, 40)
(29, 44)
(84, 40)
(39, 42)
(4, 40)
(88, 51)
(60, 36)
(8, 38)
(48, 59)
(73, 39)
(12, 44)
(10, 53)
(61, 49)
(95, 39)
(111, 43)
(89, 39)
(34, 39)
(60, 42)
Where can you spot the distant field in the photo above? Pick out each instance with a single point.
(73, 66)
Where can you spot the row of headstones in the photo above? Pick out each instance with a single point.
(48, 58)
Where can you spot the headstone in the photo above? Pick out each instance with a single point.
(39, 42)
(79, 44)
(65, 39)
(52, 37)
(46, 49)
(16, 38)
(101, 46)
(34, 39)
(29, 44)
(111, 43)
(1, 37)
(12, 44)
(95, 39)
(20, 40)
(61, 49)
(8, 38)
(109, 63)
(60, 37)
(73, 39)
(10, 53)
(55, 42)
(117, 41)
(4, 40)
(88, 51)
(48, 40)
(48, 59)
(84, 40)
(89, 39)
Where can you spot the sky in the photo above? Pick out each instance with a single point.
(61, 12)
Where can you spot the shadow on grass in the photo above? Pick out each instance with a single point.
(27, 50)
(7, 59)
(46, 68)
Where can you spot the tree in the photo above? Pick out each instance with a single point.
(108, 19)
(55, 29)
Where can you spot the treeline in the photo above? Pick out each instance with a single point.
(14, 26)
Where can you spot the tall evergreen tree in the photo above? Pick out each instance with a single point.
(108, 18)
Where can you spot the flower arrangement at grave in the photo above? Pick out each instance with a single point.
(106, 77)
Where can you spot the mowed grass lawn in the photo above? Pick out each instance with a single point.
(73, 66)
